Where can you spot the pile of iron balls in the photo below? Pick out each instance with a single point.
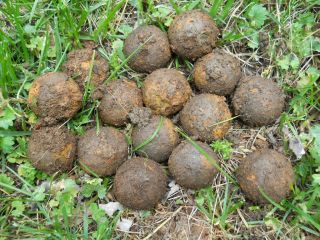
(140, 181)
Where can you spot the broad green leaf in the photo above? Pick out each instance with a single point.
(7, 117)
(27, 171)
(290, 60)
(315, 150)
(254, 40)
(6, 144)
(316, 179)
(6, 180)
(93, 186)
(18, 207)
(38, 195)
(257, 14)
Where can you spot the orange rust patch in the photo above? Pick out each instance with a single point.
(34, 93)
(66, 151)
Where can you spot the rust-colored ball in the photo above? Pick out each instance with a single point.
(190, 168)
(206, 117)
(140, 183)
(102, 152)
(193, 34)
(79, 63)
(258, 101)
(217, 72)
(120, 98)
(54, 97)
(52, 149)
(166, 91)
(154, 49)
(163, 143)
(265, 171)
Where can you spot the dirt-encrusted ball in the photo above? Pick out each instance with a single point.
(52, 149)
(190, 168)
(120, 97)
(163, 136)
(54, 97)
(206, 117)
(267, 170)
(217, 72)
(78, 66)
(193, 34)
(102, 152)
(155, 49)
(258, 101)
(140, 183)
(165, 91)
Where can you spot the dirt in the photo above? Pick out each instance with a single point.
(155, 49)
(217, 72)
(258, 101)
(202, 117)
(184, 226)
(190, 168)
(78, 66)
(102, 152)
(52, 149)
(165, 91)
(54, 97)
(140, 183)
(162, 145)
(120, 98)
(266, 169)
(140, 116)
(193, 34)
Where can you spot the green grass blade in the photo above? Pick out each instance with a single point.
(33, 10)
(149, 139)
(175, 6)
(8, 133)
(103, 26)
(57, 40)
(85, 224)
(114, 72)
(215, 7)
(226, 9)
(265, 195)
(62, 57)
(88, 169)
(15, 189)
(306, 216)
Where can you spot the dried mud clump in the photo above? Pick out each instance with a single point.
(140, 116)
(120, 97)
(161, 145)
(267, 170)
(193, 34)
(155, 49)
(165, 91)
(103, 152)
(206, 117)
(258, 101)
(217, 72)
(79, 65)
(54, 97)
(190, 168)
(52, 149)
(140, 183)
